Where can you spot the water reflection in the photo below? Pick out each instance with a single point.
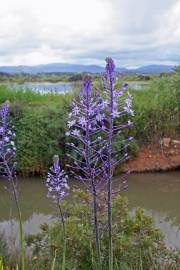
(9, 229)
(137, 85)
(158, 194)
(167, 226)
(46, 87)
(61, 87)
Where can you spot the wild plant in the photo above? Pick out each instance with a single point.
(92, 126)
(8, 165)
(84, 129)
(57, 190)
(116, 107)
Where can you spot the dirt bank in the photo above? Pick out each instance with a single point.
(155, 158)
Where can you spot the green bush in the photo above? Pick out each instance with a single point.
(40, 123)
(157, 110)
(137, 244)
(40, 134)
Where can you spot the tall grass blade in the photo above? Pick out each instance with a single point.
(54, 261)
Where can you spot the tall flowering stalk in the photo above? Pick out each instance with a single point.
(57, 189)
(112, 97)
(84, 127)
(93, 124)
(8, 164)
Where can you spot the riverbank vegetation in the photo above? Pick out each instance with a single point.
(40, 77)
(40, 120)
(55, 77)
(157, 110)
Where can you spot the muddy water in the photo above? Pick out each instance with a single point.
(158, 194)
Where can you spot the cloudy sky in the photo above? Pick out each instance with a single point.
(133, 32)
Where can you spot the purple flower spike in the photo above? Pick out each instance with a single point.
(87, 84)
(110, 66)
(8, 165)
(114, 111)
(57, 189)
(95, 123)
(4, 111)
(56, 181)
(7, 145)
(84, 124)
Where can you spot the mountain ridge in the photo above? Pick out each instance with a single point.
(75, 68)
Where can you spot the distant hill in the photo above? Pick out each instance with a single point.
(50, 68)
(73, 68)
(155, 69)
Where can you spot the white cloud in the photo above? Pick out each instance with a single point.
(80, 31)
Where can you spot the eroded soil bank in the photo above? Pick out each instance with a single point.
(154, 158)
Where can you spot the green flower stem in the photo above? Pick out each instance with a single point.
(64, 237)
(20, 224)
(11, 179)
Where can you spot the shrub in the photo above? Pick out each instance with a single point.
(137, 243)
(157, 110)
